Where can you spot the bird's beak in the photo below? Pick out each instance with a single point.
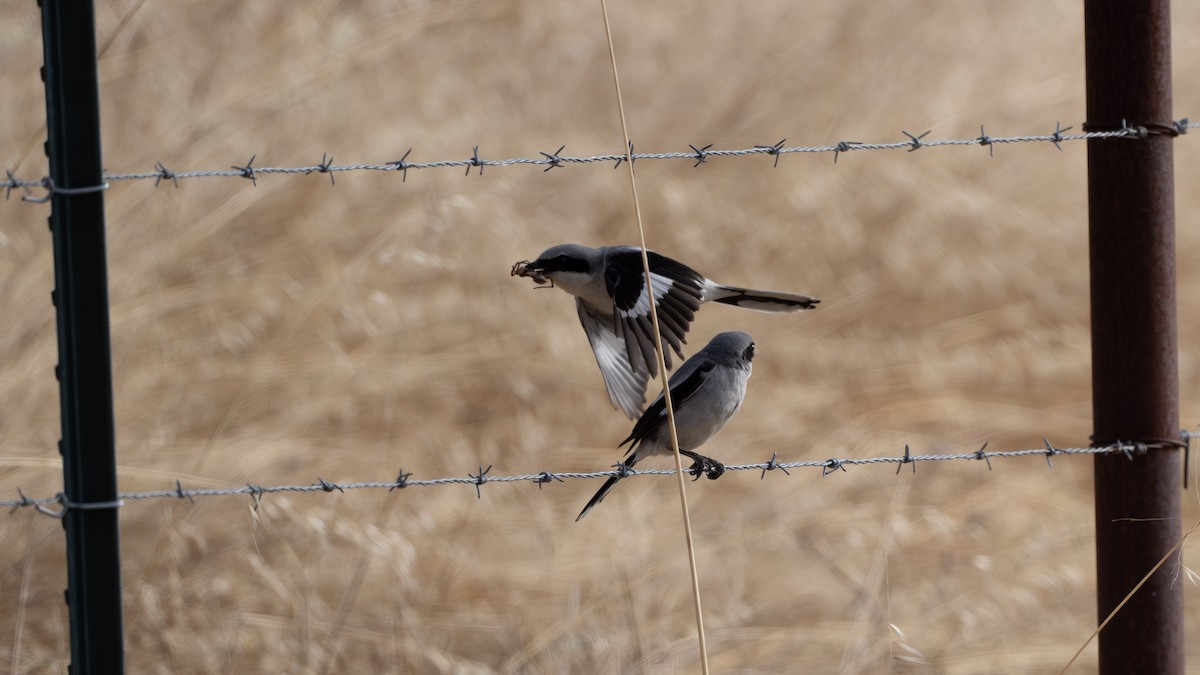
(525, 268)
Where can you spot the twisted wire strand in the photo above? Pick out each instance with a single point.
(404, 480)
(557, 160)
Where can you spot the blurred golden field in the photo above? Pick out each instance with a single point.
(278, 333)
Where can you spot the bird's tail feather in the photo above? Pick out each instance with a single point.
(598, 497)
(603, 491)
(762, 301)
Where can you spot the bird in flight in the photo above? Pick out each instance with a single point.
(609, 286)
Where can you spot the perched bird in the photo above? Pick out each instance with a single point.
(609, 286)
(705, 392)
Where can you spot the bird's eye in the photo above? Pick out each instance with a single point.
(749, 353)
(569, 263)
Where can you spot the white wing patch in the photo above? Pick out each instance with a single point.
(661, 286)
(626, 384)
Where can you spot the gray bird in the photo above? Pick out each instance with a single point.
(610, 297)
(705, 392)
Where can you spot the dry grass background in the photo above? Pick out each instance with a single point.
(292, 330)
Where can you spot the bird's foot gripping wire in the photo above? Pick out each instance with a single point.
(704, 465)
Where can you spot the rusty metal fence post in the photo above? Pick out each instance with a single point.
(1135, 380)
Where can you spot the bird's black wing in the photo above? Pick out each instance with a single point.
(656, 414)
(678, 291)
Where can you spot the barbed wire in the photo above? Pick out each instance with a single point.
(555, 160)
(404, 480)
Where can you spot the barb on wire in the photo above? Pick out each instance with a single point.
(843, 146)
(25, 501)
(984, 139)
(480, 479)
(621, 158)
(402, 165)
(620, 470)
(474, 161)
(773, 150)
(323, 167)
(980, 454)
(623, 470)
(831, 465)
(555, 160)
(14, 182)
(250, 172)
(916, 140)
(1051, 451)
(773, 464)
(401, 481)
(181, 493)
(163, 173)
(1058, 134)
(329, 487)
(697, 155)
(907, 458)
(256, 493)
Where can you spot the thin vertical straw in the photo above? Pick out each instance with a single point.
(658, 351)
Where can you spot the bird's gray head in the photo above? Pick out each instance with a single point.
(567, 258)
(731, 348)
